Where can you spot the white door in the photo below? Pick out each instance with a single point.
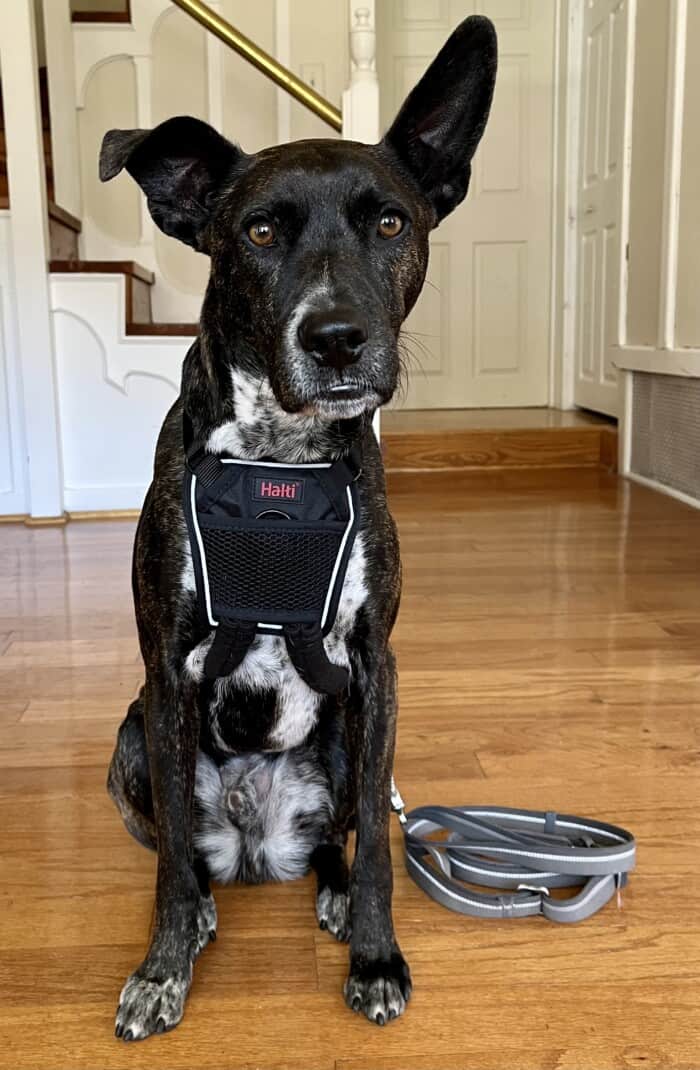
(479, 335)
(603, 160)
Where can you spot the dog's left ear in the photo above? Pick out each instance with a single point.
(441, 122)
(180, 166)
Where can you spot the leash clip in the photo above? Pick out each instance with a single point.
(397, 803)
(539, 888)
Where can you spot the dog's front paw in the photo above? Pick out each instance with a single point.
(153, 998)
(380, 988)
(148, 1005)
(333, 913)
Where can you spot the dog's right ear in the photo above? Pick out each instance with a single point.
(180, 166)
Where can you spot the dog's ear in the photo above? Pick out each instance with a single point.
(180, 166)
(441, 122)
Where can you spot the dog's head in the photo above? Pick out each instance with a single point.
(319, 248)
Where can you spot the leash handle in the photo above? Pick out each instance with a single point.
(526, 853)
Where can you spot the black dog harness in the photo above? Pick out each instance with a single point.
(270, 548)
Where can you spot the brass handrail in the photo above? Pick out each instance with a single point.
(264, 62)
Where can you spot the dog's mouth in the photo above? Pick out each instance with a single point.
(344, 400)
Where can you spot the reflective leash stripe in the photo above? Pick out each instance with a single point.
(524, 852)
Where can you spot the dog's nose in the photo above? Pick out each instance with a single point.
(334, 337)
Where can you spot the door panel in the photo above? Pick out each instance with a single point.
(601, 266)
(479, 335)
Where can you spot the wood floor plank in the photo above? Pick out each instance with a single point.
(548, 657)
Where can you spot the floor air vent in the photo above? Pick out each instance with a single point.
(666, 431)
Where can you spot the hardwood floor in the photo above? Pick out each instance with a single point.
(548, 654)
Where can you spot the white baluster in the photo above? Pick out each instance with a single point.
(361, 98)
(144, 114)
(60, 62)
(215, 75)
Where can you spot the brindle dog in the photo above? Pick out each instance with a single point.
(318, 252)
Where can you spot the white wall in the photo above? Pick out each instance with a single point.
(113, 393)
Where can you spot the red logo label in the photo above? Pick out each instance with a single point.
(286, 490)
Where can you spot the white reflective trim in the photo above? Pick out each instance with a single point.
(336, 566)
(495, 872)
(492, 848)
(425, 870)
(202, 555)
(274, 464)
(535, 818)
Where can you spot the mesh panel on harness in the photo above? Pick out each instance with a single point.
(243, 572)
(270, 546)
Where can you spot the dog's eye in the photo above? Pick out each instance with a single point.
(390, 225)
(261, 233)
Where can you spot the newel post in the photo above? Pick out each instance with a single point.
(30, 256)
(361, 98)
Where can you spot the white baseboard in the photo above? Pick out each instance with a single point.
(664, 489)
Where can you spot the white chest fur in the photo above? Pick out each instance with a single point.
(267, 665)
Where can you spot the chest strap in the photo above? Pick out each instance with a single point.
(526, 853)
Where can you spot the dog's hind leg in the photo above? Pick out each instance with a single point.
(332, 897)
(129, 779)
(129, 784)
(328, 859)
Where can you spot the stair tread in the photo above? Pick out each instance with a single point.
(402, 421)
(186, 329)
(102, 16)
(123, 267)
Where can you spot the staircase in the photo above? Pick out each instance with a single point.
(118, 370)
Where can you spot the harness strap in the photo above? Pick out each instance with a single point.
(524, 852)
(308, 655)
(206, 466)
(335, 479)
(228, 648)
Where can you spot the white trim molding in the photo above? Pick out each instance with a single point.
(664, 489)
(685, 362)
(566, 122)
(672, 173)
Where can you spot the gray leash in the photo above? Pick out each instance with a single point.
(524, 852)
